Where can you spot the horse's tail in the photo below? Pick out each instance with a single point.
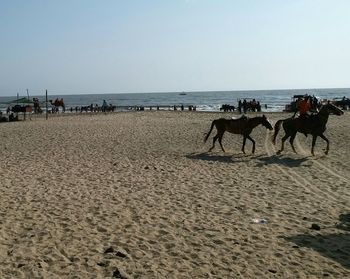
(211, 128)
(277, 129)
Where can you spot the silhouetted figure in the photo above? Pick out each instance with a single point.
(252, 105)
(258, 106)
(245, 106)
(36, 104)
(12, 117)
(104, 106)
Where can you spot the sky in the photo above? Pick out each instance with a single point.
(112, 46)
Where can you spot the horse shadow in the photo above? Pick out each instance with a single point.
(344, 223)
(335, 246)
(207, 156)
(281, 160)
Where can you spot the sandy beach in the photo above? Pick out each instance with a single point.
(137, 195)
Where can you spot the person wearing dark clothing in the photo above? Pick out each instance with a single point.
(245, 106)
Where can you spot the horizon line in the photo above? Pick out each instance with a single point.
(169, 92)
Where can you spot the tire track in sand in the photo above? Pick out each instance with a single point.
(300, 179)
(326, 168)
(271, 152)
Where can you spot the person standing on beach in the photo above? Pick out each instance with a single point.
(240, 106)
(104, 106)
(245, 106)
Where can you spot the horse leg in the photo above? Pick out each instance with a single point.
(253, 141)
(324, 138)
(244, 140)
(314, 137)
(291, 140)
(214, 140)
(220, 139)
(282, 146)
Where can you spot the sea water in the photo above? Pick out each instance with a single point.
(270, 100)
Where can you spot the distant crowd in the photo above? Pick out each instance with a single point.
(243, 106)
(94, 108)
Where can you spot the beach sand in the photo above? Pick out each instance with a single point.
(137, 195)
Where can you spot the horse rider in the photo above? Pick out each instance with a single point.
(303, 106)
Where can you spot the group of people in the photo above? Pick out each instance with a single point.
(95, 108)
(245, 106)
(11, 117)
(182, 108)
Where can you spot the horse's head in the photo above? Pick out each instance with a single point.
(332, 109)
(266, 123)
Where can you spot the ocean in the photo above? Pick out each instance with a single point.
(270, 100)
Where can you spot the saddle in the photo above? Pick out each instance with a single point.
(243, 117)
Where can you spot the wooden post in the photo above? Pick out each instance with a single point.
(28, 104)
(46, 106)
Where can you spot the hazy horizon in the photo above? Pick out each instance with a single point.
(117, 47)
(50, 93)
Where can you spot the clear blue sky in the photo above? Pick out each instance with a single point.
(84, 46)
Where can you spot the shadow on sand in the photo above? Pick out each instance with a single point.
(334, 246)
(234, 158)
(344, 223)
(281, 160)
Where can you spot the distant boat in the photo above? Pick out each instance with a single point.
(183, 93)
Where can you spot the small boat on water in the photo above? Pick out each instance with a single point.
(183, 93)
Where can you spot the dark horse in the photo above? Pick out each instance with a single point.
(19, 108)
(243, 126)
(226, 108)
(314, 124)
